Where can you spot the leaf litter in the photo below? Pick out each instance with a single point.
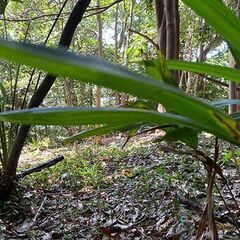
(139, 193)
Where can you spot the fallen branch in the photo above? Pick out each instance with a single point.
(40, 167)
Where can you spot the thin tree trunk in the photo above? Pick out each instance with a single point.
(167, 21)
(171, 32)
(116, 56)
(9, 173)
(233, 93)
(71, 100)
(82, 94)
(124, 97)
(100, 55)
(161, 25)
(100, 52)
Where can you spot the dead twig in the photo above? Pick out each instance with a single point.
(38, 211)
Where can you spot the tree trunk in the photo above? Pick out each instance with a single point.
(100, 52)
(128, 22)
(116, 56)
(161, 25)
(71, 100)
(233, 92)
(98, 139)
(167, 21)
(171, 37)
(9, 173)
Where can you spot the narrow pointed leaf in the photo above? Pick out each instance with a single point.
(99, 131)
(93, 70)
(225, 102)
(158, 70)
(81, 116)
(206, 69)
(185, 135)
(220, 17)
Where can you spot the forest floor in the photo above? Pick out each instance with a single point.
(105, 192)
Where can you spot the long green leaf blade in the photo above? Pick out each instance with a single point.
(206, 69)
(82, 116)
(225, 102)
(220, 17)
(110, 128)
(99, 72)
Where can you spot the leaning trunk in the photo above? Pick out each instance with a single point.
(9, 173)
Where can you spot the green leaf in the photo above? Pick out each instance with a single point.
(79, 116)
(206, 69)
(236, 116)
(225, 102)
(158, 70)
(183, 134)
(93, 70)
(118, 116)
(220, 17)
(99, 131)
(140, 104)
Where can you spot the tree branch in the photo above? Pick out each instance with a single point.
(146, 37)
(41, 17)
(33, 18)
(40, 167)
(218, 82)
(102, 9)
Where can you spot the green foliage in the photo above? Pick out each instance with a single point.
(195, 113)
(186, 135)
(85, 168)
(220, 17)
(158, 70)
(208, 69)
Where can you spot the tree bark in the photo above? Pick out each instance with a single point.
(161, 25)
(233, 93)
(71, 100)
(128, 21)
(100, 52)
(167, 21)
(9, 173)
(98, 139)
